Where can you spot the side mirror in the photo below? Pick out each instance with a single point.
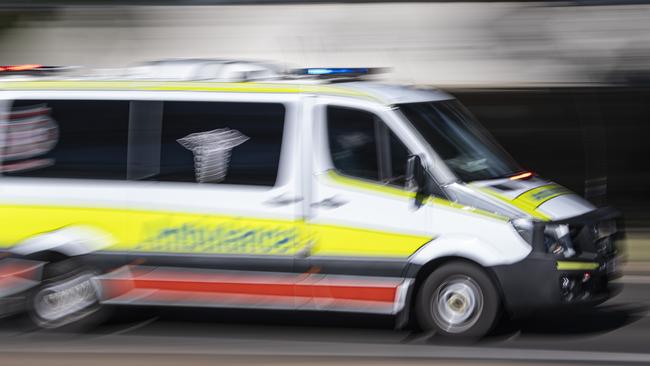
(416, 178)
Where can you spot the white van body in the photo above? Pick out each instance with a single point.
(317, 234)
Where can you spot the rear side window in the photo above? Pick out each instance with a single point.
(218, 142)
(362, 146)
(84, 139)
(170, 141)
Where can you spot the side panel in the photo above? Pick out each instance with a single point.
(165, 224)
(154, 216)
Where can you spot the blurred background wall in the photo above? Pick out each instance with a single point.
(473, 43)
(563, 85)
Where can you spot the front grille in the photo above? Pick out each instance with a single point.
(598, 238)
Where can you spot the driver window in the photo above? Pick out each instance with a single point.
(362, 146)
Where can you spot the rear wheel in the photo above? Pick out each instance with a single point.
(458, 300)
(66, 298)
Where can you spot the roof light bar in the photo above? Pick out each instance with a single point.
(334, 71)
(337, 71)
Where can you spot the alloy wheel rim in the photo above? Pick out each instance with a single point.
(457, 304)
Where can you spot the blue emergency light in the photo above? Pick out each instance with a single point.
(337, 71)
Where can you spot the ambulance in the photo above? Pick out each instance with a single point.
(315, 190)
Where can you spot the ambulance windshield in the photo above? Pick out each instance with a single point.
(467, 148)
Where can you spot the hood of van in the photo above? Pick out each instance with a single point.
(537, 197)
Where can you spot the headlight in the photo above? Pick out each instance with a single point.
(554, 240)
(525, 228)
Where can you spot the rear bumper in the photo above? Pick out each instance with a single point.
(17, 276)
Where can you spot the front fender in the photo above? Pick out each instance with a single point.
(469, 247)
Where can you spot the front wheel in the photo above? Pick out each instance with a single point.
(458, 300)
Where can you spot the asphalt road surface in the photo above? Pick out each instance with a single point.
(617, 332)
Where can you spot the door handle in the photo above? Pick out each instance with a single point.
(330, 202)
(282, 200)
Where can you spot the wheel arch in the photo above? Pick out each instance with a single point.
(68, 241)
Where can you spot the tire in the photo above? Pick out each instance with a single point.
(458, 300)
(66, 299)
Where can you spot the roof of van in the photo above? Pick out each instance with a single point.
(383, 93)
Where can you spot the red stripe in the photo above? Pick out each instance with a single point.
(206, 297)
(230, 288)
(385, 294)
(268, 286)
(210, 297)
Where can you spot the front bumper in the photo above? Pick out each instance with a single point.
(539, 282)
(542, 280)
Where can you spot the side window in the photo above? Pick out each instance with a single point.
(218, 142)
(362, 146)
(352, 142)
(398, 156)
(85, 139)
